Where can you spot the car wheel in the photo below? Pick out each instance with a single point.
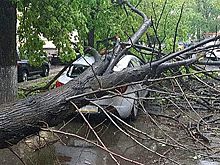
(45, 71)
(24, 76)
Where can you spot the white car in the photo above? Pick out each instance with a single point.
(125, 105)
(213, 53)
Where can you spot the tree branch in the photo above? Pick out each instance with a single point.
(177, 25)
(144, 26)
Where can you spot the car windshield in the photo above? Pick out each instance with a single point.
(76, 70)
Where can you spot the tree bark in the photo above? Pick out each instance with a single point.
(91, 34)
(91, 37)
(8, 68)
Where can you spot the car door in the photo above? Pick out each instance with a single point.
(32, 69)
(35, 69)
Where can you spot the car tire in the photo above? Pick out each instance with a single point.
(45, 71)
(24, 76)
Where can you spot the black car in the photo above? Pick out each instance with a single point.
(25, 70)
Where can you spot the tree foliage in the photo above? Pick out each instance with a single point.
(204, 17)
(96, 20)
(53, 20)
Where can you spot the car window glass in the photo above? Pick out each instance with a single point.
(76, 70)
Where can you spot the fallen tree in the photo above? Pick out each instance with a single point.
(26, 116)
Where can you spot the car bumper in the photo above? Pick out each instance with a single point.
(123, 106)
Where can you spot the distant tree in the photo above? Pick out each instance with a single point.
(198, 17)
(165, 15)
(204, 17)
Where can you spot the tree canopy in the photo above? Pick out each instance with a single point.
(97, 20)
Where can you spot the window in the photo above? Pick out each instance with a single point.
(76, 70)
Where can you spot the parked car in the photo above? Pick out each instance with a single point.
(213, 53)
(124, 106)
(25, 70)
(55, 60)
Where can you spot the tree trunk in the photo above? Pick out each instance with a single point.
(90, 37)
(8, 68)
(91, 34)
